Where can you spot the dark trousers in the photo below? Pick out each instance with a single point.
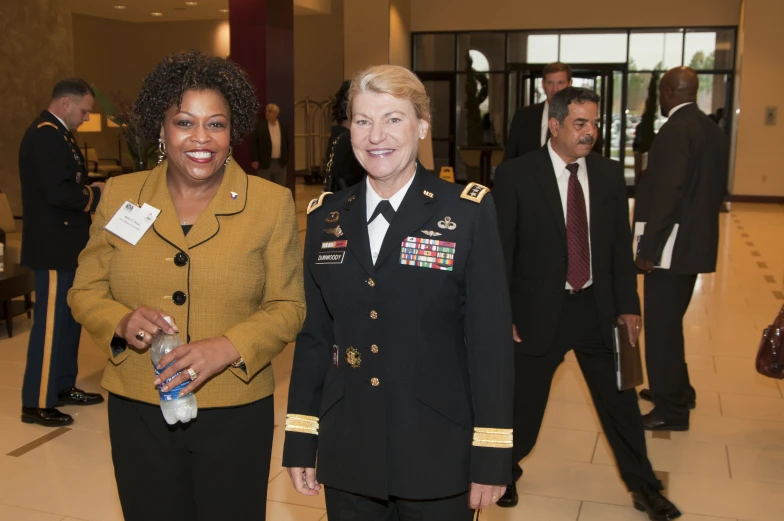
(667, 297)
(214, 467)
(53, 348)
(619, 413)
(345, 506)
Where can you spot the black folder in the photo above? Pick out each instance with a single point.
(628, 365)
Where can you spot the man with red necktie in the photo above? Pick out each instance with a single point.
(563, 216)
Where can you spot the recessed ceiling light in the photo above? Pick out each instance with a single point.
(120, 7)
(223, 10)
(157, 14)
(191, 4)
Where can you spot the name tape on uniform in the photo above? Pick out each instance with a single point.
(428, 253)
(330, 257)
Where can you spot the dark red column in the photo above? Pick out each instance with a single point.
(262, 42)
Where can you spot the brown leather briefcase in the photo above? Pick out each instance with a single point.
(770, 357)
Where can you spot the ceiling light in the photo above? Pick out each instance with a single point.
(157, 14)
(120, 7)
(191, 4)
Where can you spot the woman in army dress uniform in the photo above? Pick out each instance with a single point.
(402, 379)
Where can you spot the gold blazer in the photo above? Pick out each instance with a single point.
(239, 269)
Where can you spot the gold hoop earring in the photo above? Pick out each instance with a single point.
(161, 151)
(228, 157)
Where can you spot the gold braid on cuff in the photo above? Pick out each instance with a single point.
(303, 424)
(493, 438)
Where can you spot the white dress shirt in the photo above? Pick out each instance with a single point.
(678, 107)
(378, 228)
(60, 120)
(545, 122)
(562, 177)
(274, 131)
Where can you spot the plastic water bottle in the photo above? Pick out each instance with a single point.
(174, 408)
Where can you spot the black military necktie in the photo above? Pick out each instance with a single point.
(384, 208)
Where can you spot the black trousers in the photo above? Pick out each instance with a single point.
(345, 506)
(53, 348)
(619, 412)
(667, 297)
(215, 467)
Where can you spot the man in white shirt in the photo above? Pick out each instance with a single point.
(269, 147)
(528, 130)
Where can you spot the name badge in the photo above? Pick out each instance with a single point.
(330, 257)
(130, 223)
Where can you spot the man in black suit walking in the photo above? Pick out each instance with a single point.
(269, 146)
(528, 130)
(684, 185)
(563, 215)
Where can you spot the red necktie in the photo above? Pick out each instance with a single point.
(579, 270)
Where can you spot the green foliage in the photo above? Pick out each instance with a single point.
(474, 136)
(646, 126)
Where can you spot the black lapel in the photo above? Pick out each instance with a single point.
(415, 210)
(595, 188)
(545, 175)
(354, 224)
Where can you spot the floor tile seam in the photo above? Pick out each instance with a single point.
(293, 504)
(38, 510)
(682, 511)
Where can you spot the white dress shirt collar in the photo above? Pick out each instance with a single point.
(559, 164)
(678, 107)
(60, 120)
(373, 198)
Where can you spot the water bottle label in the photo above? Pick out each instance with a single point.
(173, 393)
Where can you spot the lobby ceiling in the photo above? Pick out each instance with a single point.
(177, 10)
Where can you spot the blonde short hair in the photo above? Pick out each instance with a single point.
(273, 107)
(393, 80)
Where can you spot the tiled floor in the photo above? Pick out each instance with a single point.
(729, 466)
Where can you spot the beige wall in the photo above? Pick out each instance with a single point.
(761, 75)
(400, 32)
(366, 38)
(35, 52)
(473, 15)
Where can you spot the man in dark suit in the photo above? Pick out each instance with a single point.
(684, 185)
(528, 130)
(57, 205)
(563, 215)
(269, 146)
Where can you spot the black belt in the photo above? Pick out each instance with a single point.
(577, 291)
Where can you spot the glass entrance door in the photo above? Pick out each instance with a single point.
(441, 89)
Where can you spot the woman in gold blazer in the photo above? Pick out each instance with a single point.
(223, 260)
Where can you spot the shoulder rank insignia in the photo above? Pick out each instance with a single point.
(47, 124)
(316, 203)
(475, 192)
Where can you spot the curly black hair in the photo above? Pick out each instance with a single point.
(194, 70)
(340, 103)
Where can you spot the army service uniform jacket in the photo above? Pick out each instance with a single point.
(402, 379)
(55, 199)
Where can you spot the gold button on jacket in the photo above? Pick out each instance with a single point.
(243, 280)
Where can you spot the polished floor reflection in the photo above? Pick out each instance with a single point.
(729, 466)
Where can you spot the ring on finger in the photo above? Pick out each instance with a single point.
(192, 374)
(140, 335)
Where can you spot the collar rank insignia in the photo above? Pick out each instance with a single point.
(475, 192)
(351, 199)
(333, 217)
(353, 358)
(337, 231)
(447, 224)
(431, 233)
(428, 194)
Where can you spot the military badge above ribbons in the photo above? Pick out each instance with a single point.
(428, 253)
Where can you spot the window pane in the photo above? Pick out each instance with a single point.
(491, 49)
(593, 48)
(707, 50)
(655, 51)
(434, 52)
(488, 129)
(713, 93)
(542, 48)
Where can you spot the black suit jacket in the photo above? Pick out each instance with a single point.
(55, 199)
(686, 180)
(343, 169)
(533, 234)
(261, 144)
(439, 345)
(525, 132)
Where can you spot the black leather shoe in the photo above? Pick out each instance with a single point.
(652, 422)
(645, 394)
(658, 507)
(74, 396)
(46, 417)
(509, 499)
